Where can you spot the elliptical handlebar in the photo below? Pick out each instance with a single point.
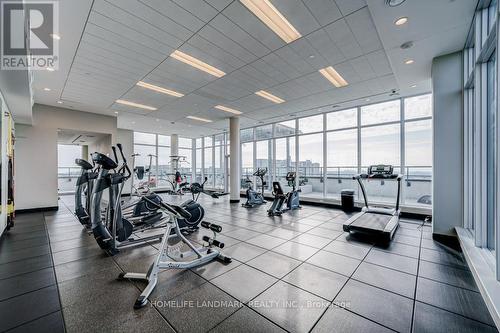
(125, 165)
(114, 153)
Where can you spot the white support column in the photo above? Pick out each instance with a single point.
(235, 156)
(174, 151)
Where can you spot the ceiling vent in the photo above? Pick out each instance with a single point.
(407, 45)
(394, 3)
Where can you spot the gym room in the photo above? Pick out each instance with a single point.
(249, 166)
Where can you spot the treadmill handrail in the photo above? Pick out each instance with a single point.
(361, 176)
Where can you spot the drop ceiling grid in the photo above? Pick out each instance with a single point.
(285, 69)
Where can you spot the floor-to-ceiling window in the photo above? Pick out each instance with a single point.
(481, 121)
(199, 160)
(342, 151)
(310, 155)
(219, 161)
(145, 148)
(418, 157)
(164, 169)
(380, 144)
(327, 149)
(185, 158)
(208, 161)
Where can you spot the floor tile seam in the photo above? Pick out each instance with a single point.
(55, 274)
(35, 319)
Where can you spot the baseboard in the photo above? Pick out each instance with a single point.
(37, 210)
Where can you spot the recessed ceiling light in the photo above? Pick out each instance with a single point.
(157, 119)
(46, 89)
(199, 119)
(401, 21)
(367, 99)
(59, 102)
(55, 36)
(133, 122)
(116, 112)
(226, 109)
(136, 105)
(50, 69)
(271, 97)
(311, 56)
(413, 86)
(333, 76)
(159, 89)
(196, 63)
(271, 17)
(409, 61)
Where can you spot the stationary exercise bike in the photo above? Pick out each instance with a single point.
(253, 197)
(283, 202)
(171, 255)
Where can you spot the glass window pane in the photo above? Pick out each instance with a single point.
(199, 164)
(185, 143)
(186, 161)
(144, 160)
(208, 166)
(284, 128)
(285, 157)
(342, 148)
(380, 145)
(418, 107)
(418, 145)
(219, 139)
(198, 142)
(209, 141)
(246, 135)
(144, 138)
(163, 140)
(342, 119)
(311, 124)
(380, 113)
(164, 167)
(263, 158)
(246, 160)
(311, 164)
(263, 132)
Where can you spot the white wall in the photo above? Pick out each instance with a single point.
(447, 179)
(36, 151)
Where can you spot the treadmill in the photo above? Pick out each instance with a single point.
(380, 222)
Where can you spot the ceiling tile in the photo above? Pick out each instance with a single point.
(348, 6)
(298, 15)
(325, 11)
(364, 30)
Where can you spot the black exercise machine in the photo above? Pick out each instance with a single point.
(376, 221)
(253, 197)
(283, 202)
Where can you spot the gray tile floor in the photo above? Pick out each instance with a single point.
(296, 273)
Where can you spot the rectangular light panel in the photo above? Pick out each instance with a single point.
(269, 96)
(226, 109)
(271, 17)
(196, 63)
(135, 105)
(159, 89)
(199, 119)
(333, 76)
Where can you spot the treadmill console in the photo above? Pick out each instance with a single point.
(381, 171)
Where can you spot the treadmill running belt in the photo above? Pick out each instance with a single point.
(372, 221)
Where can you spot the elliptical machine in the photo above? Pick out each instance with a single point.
(116, 231)
(283, 202)
(253, 197)
(84, 185)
